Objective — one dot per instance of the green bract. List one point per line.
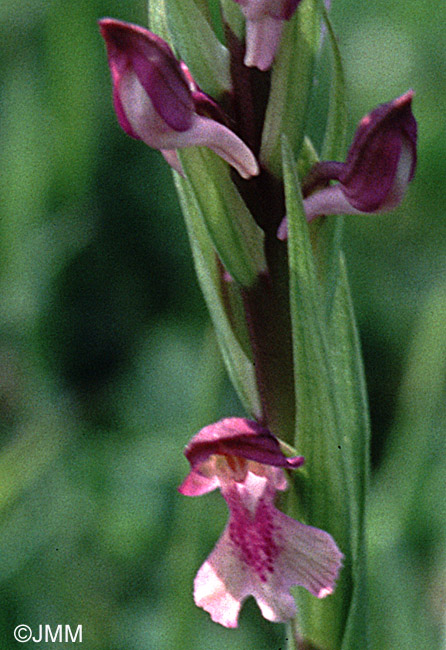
(236, 237)
(332, 429)
(197, 45)
(291, 84)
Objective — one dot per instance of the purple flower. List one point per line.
(262, 551)
(157, 101)
(264, 23)
(379, 166)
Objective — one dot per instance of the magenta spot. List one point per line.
(252, 536)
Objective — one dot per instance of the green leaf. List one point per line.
(291, 84)
(233, 17)
(238, 364)
(157, 10)
(198, 47)
(330, 407)
(351, 397)
(335, 130)
(327, 232)
(307, 157)
(235, 235)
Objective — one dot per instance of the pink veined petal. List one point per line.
(241, 438)
(262, 40)
(222, 583)
(263, 552)
(195, 484)
(309, 558)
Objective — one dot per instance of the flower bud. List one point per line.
(264, 23)
(155, 101)
(380, 164)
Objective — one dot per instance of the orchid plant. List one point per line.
(224, 96)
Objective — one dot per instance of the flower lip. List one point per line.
(242, 438)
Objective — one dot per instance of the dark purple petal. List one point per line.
(238, 437)
(289, 8)
(134, 48)
(372, 161)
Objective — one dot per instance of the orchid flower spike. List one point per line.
(264, 24)
(262, 551)
(157, 102)
(379, 166)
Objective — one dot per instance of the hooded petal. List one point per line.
(238, 437)
(385, 140)
(134, 50)
(379, 166)
(157, 101)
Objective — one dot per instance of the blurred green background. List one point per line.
(108, 364)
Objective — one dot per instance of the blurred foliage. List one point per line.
(108, 365)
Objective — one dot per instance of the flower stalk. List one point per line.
(262, 216)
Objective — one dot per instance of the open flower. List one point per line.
(262, 551)
(379, 166)
(157, 102)
(264, 24)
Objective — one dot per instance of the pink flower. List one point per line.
(157, 101)
(379, 166)
(264, 23)
(262, 551)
